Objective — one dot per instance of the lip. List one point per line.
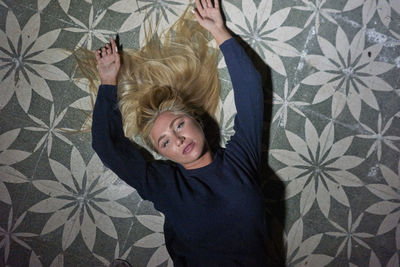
(188, 148)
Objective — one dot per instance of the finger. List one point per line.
(199, 6)
(97, 53)
(113, 45)
(108, 49)
(216, 3)
(199, 18)
(114, 48)
(208, 3)
(103, 52)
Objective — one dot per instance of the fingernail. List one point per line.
(116, 49)
(192, 10)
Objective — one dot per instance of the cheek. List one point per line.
(163, 154)
(168, 153)
(199, 133)
(195, 131)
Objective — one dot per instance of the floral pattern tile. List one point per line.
(332, 124)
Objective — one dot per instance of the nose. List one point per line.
(180, 140)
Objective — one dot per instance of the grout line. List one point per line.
(354, 127)
(311, 34)
(300, 66)
(372, 35)
(131, 227)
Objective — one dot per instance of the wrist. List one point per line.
(109, 82)
(221, 34)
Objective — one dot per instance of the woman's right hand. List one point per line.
(209, 16)
(108, 63)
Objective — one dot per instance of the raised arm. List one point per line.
(108, 139)
(249, 101)
(246, 82)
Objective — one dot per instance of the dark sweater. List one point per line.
(214, 215)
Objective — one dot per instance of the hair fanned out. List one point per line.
(178, 68)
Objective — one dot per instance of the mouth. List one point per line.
(188, 148)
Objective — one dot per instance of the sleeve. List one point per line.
(114, 149)
(249, 101)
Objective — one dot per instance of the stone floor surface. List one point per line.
(332, 132)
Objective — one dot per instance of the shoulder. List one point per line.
(162, 169)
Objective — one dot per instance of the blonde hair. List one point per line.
(174, 72)
(158, 100)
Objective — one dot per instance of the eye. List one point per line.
(180, 125)
(165, 143)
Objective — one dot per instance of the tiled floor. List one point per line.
(332, 123)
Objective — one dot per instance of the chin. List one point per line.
(193, 156)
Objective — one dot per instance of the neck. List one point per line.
(203, 161)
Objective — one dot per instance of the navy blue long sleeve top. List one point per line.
(214, 215)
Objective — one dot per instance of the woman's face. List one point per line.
(180, 138)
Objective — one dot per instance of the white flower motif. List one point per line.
(350, 234)
(317, 168)
(154, 240)
(86, 102)
(81, 202)
(263, 31)
(379, 137)
(130, 7)
(369, 7)
(25, 61)
(64, 4)
(8, 157)
(397, 35)
(390, 204)
(226, 118)
(50, 130)
(90, 31)
(348, 73)
(160, 8)
(304, 249)
(117, 255)
(156, 12)
(317, 10)
(42, 4)
(286, 104)
(9, 234)
(394, 261)
(34, 260)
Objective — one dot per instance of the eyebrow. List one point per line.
(170, 126)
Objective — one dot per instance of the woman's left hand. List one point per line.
(108, 63)
(209, 16)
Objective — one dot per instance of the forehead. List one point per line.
(162, 123)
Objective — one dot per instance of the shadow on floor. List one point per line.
(273, 188)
